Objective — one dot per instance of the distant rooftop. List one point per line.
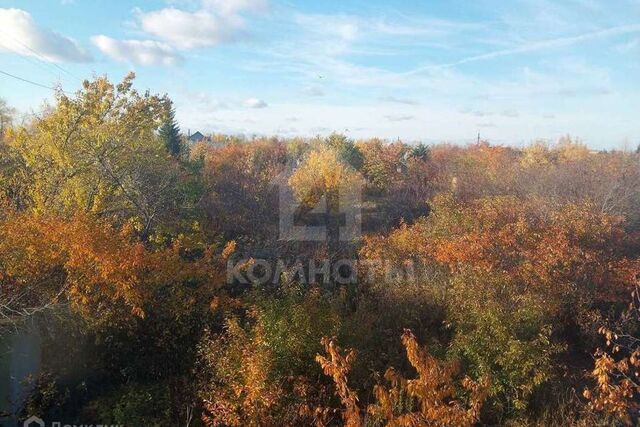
(196, 137)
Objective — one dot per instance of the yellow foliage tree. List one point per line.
(98, 152)
(322, 174)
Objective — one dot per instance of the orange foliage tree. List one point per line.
(88, 263)
(535, 242)
(433, 398)
(239, 195)
(522, 271)
(259, 369)
(617, 368)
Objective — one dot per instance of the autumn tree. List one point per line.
(322, 174)
(382, 163)
(474, 171)
(15, 180)
(569, 172)
(85, 262)
(259, 370)
(239, 193)
(327, 185)
(432, 398)
(97, 289)
(616, 368)
(522, 272)
(7, 115)
(98, 152)
(345, 149)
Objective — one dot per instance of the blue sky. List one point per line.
(417, 70)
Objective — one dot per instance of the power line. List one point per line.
(34, 83)
(39, 56)
(30, 60)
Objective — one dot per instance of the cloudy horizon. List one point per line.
(419, 71)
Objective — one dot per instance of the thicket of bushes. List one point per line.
(512, 296)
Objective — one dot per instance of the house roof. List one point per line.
(196, 137)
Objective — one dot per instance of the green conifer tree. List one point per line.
(170, 134)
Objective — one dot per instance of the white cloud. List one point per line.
(143, 52)
(231, 7)
(326, 45)
(351, 28)
(215, 22)
(345, 27)
(255, 103)
(202, 99)
(530, 47)
(188, 30)
(22, 35)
